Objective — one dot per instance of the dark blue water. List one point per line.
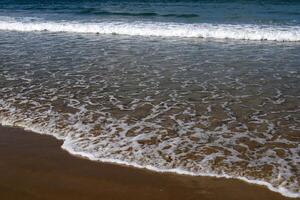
(232, 12)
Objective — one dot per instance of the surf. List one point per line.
(160, 29)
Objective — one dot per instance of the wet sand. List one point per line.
(33, 166)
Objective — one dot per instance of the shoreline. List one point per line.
(65, 146)
(36, 166)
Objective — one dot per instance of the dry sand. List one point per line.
(33, 166)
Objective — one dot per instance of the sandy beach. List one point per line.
(34, 166)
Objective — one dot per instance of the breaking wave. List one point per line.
(161, 29)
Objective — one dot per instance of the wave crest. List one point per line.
(159, 29)
(143, 14)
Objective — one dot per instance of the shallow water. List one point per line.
(194, 87)
(195, 106)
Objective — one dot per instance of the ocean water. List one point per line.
(203, 88)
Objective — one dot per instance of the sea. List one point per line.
(195, 87)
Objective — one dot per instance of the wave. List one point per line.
(160, 29)
(69, 147)
(143, 14)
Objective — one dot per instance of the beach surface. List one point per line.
(34, 166)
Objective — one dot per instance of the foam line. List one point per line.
(159, 29)
(67, 145)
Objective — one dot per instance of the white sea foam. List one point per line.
(159, 29)
(139, 115)
(280, 189)
(67, 145)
